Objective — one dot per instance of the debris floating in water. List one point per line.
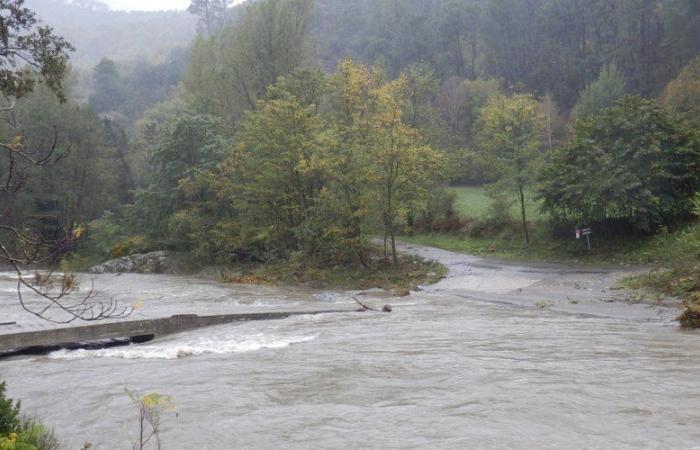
(386, 308)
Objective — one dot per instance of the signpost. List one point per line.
(585, 232)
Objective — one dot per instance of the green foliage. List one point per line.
(26, 42)
(682, 95)
(83, 174)
(9, 413)
(601, 93)
(270, 39)
(18, 433)
(511, 129)
(109, 87)
(378, 272)
(634, 162)
(184, 147)
(318, 164)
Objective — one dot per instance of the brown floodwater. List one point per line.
(454, 366)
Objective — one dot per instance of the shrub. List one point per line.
(497, 217)
(9, 413)
(18, 433)
(130, 246)
(438, 215)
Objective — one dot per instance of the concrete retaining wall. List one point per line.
(130, 329)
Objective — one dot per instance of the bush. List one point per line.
(497, 217)
(438, 215)
(9, 413)
(17, 433)
(131, 246)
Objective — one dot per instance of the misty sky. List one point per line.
(147, 5)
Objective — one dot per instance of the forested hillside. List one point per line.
(555, 46)
(97, 32)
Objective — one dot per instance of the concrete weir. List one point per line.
(129, 330)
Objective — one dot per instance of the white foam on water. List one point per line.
(178, 349)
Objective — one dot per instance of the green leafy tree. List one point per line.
(682, 95)
(276, 175)
(29, 52)
(633, 161)
(185, 146)
(108, 92)
(231, 71)
(510, 144)
(351, 119)
(404, 168)
(458, 106)
(601, 93)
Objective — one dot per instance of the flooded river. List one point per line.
(495, 356)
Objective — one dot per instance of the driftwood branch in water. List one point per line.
(386, 308)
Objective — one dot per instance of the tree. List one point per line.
(600, 94)
(351, 116)
(404, 168)
(109, 87)
(232, 70)
(633, 162)
(184, 146)
(212, 14)
(275, 178)
(509, 142)
(30, 53)
(682, 95)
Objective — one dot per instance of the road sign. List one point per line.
(587, 232)
(584, 232)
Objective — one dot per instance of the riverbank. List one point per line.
(377, 272)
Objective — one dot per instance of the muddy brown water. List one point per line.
(495, 356)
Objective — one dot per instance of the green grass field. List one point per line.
(509, 244)
(473, 201)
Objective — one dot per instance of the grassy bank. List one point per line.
(411, 272)
(507, 242)
(379, 273)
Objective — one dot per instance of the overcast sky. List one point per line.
(147, 5)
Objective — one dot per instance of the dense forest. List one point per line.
(298, 130)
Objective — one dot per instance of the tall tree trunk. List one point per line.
(522, 210)
(393, 246)
(386, 248)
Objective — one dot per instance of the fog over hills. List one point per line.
(97, 32)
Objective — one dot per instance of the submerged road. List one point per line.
(494, 356)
